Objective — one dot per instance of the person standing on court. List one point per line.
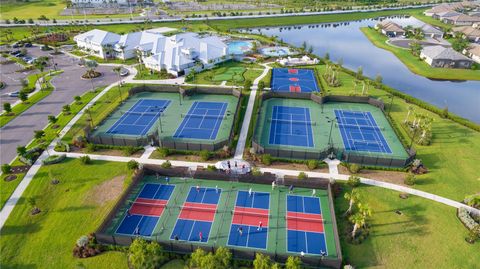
(260, 224)
(198, 188)
(250, 192)
(200, 235)
(167, 179)
(240, 230)
(273, 185)
(290, 189)
(313, 192)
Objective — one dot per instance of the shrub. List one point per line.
(410, 179)
(467, 219)
(353, 181)
(354, 168)
(211, 168)
(82, 241)
(266, 159)
(90, 147)
(132, 165)
(6, 168)
(53, 159)
(166, 164)
(85, 159)
(143, 254)
(204, 155)
(302, 175)
(7, 107)
(312, 164)
(256, 171)
(163, 152)
(129, 150)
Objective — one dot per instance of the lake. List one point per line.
(345, 41)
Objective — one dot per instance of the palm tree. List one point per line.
(91, 65)
(410, 110)
(352, 198)
(358, 220)
(426, 127)
(365, 210)
(117, 70)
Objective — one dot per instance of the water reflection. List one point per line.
(345, 41)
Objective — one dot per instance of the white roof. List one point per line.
(99, 37)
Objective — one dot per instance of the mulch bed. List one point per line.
(20, 169)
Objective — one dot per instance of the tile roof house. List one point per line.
(469, 32)
(473, 51)
(438, 56)
(177, 54)
(461, 19)
(431, 31)
(390, 29)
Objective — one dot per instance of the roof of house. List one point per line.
(99, 37)
(439, 52)
(463, 17)
(469, 31)
(391, 26)
(474, 49)
(428, 29)
(448, 14)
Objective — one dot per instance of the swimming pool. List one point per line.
(277, 51)
(239, 47)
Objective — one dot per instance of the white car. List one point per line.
(124, 72)
(14, 94)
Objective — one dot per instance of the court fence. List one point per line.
(179, 247)
(154, 138)
(340, 153)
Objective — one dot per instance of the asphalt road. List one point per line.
(19, 131)
(12, 78)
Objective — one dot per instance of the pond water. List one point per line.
(345, 41)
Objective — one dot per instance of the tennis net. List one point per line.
(364, 127)
(196, 208)
(293, 122)
(302, 219)
(146, 113)
(200, 116)
(247, 213)
(149, 205)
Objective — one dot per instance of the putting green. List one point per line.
(231, 74)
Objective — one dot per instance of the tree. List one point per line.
(132, 165)
(32, 202)
(261, 86)
(40, 63)
(142, 254)
(38, 134)
(365, 210)
(358, 220)
(247, 85)
(77, 99)
(66, 109)
(353, 181)
(293, 263)
(21, 150)
(118, 69)
(378, 80)
(223, 258)
(352, 198)
(359, 72)
(52, 119)
(23, 96)
(6, 168)
(7, 107)
(262, 261)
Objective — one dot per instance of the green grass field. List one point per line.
(415, 64)
(426, 235)
(452, 156)
(219, 233)
(233, 72)
(74, 207)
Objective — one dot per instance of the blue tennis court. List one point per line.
(202, 121)
(140, 118)
(291, 126)
(143, 214)
(360, 132)
(294, 80)
(250, 220)
(305, 230)
(197, 215)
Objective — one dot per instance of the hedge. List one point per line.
(54, 159)
(466, 219)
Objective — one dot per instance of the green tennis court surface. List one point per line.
(171, 122)
(219, 213)
(268, 128)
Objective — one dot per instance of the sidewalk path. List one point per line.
(248, 115)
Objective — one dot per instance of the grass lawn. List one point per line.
(144, 73)
(426, 235)
(416, 65)
(74, 207)
(235, 73)
(21, 107)
(453, 155)
(7, 188)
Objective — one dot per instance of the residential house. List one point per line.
(438, 56)
(97, 42)
(461, 19)
(473, 51)
(177, 54)
(469, 32)
(390, 29)
(430, 31)
(437, 9)
(446, 14)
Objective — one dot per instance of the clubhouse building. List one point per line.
(178, 54)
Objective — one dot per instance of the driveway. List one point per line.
(67, 85)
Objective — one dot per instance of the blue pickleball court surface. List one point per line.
(308, 242)
(204, 195)
(145, 224)
(251, 237)
(291, 126)
(156, 191)
(303, 204)
(294, 80)
(140, 118)
(202, 121)
(360, 132)
(189, 230)
(259, 200)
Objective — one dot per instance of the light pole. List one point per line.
(413, 139)
(331, 121)
(391, 103)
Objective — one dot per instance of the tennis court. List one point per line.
(305, 231)
(197, 215)
(360, 132)
(140, 118)
(291, 126)
(249, 227)
(143, 214)
(202, 121)
(294, 80)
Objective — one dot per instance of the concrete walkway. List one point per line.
(248, 115)
(332, 165)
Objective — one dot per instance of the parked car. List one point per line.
(19, 55)
(14, 52)
(124, 72)
(28, 45)
(31, 61)
(17, 45)
(26, 58)
(14, 94)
